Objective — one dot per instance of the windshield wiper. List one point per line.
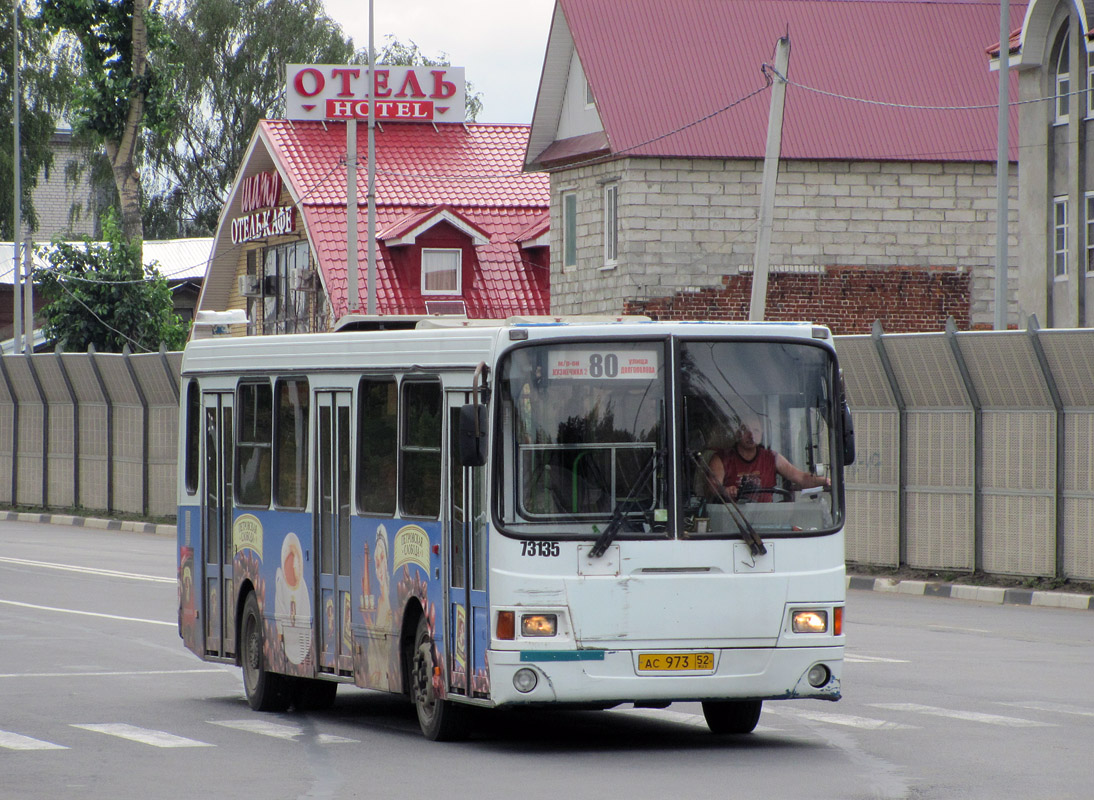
(600, 546)
(755, 543)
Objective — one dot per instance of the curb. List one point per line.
(128, 526)
(981, 594)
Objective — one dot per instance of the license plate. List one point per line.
(675, 662)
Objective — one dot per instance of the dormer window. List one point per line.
(441, 270)
(1063, 78)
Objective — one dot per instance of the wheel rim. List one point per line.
(424, 699)
(252, 654)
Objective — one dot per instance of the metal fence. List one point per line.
(974, 451)
(974, 448)
(93, 431)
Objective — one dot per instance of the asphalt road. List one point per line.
(98, 699)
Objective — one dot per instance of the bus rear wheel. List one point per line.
(440, 720)
(266, 691)
(732, 716)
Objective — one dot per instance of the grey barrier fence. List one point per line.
(974, 448)
(93, 431)
(974, 451)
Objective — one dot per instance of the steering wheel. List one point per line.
(745, 493)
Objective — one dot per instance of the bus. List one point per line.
(515, 513)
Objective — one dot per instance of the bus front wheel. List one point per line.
(732, 716)
(266, 691)
(440, 719)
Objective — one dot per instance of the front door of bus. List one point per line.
(217, 588)
(468, 624)
(332, 520)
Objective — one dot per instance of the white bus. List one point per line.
(517, 513)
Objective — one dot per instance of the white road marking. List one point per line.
(1054, 708)
(844, 720)
(13, 741)
(87, 613)
(278, 730)
(873, 659)
(118, 674)
(143, 735)
(967, 716)
(108, 573)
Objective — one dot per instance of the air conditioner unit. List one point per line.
(249, 286)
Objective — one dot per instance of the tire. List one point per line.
(312, 694)
(440, 720)
(732, 716)
(266, 691)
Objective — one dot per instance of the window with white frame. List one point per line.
(1059, 239)
(611, 224)
(1090, 231)
(1090, 84)
(569, 229)
(441, 271)
(1063, 77)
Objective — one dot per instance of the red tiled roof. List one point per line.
(657, 65)
(407, 224)
(474, 170)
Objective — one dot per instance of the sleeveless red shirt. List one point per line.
(755, 474)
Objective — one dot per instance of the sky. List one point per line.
(500, 43)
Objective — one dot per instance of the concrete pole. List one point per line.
(17, 204)
(1002, 171)
(28, 298)
(353, 282)
(371, 306)
(771, 173)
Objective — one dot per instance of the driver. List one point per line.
(747, 466)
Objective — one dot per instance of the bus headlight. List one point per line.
(810, 621)
(525, 680)
(818, 675)
(538, 624)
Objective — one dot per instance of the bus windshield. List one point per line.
(590, 438)
(584, 431)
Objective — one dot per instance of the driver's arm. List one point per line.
(717, 478)
(798, 476)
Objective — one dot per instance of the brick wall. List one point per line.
(685, 223)
(846, 299)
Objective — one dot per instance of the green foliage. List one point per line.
(104, 31)
(99, 294)
(45, 80)
(410, 54)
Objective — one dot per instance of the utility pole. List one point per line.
(771, 173)
(371, 303)
(1002, 171)
(17, 205)
(352, 279)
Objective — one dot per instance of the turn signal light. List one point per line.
(837, 621)
(506, 625)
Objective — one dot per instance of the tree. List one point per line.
(99, 294)
(45, 80)
(125, 86)
(232, 56)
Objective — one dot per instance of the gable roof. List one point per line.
(468, 175)
(677, 77)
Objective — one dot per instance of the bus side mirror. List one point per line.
(848, 437)
(472, 435)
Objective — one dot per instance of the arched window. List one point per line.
(1062, 74)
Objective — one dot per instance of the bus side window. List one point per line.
(420, 481)
(378, 445)
(254, 437)
(291, 453)
(193, 435)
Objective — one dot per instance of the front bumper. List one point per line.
(612, 676)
